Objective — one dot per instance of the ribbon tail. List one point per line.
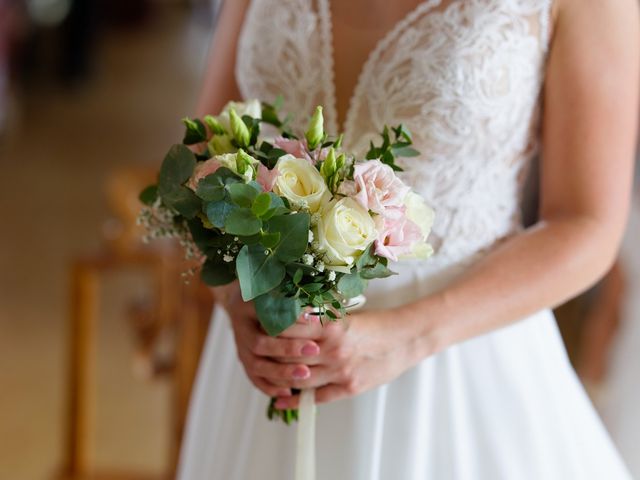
(306, 441)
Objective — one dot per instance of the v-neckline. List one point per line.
(343, 125)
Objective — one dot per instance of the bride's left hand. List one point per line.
(357, 353)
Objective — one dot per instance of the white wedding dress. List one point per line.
(465, 76)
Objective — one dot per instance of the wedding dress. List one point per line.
(465, 76)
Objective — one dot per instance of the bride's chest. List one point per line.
(473, 52)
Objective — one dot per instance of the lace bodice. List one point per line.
(465, 77)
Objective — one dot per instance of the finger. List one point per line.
(308, 326)
(274, 371)
(266, 346)
(269, 388)
(319, 377)
(326, 394)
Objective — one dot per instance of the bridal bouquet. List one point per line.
(297, 220)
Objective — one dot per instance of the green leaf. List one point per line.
(217, 273)
(184, 201)
(149, 195)
(251, 239)
(367, 259)
(351, 285)
(405, 152)
(257, 271)
(176, 169)
(294, 235)
(195, 131)
(212, 187)
(261, 204)
(377, 271)
(242, 221)
(276, 312)
(298, 276)
(270, 240)
(217, 212)
(242, 194)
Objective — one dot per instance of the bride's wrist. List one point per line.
(425, 328)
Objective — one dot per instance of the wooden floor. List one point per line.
(52, 170)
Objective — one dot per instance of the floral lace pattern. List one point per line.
(464, 75)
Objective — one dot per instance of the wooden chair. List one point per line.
(180, 310)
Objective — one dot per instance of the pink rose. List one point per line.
(397, 237)
(266, 178)
(202, 170)
(378, 188)
(297, 148)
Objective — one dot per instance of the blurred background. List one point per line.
(99, 335)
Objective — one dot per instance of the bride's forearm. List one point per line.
(540, 268)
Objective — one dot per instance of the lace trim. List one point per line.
(545, 24)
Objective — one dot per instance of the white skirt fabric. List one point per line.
(506, 405)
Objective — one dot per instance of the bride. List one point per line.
(456, 370)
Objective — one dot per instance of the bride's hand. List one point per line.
(358, 353)
(260, 353)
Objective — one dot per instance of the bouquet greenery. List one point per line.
(299, 221)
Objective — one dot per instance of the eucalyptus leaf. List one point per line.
(276, 313)
(176, 169)
(351, 285)
(257, 271)
(242, 194)
(217, 273)
(242, 221)
(149, 195)
(217, 212)
(270, 240)
(184, 201)
(294, 235)
(261, 204)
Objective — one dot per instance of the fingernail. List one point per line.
(301, 373)
(310, 350)
(281, 403)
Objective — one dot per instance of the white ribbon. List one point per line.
(306, 441)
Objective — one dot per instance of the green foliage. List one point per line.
(212, 187)
(242, 221)
(276, 312)
(176, 169)
(217, 212)
(258, 271)
(261, 204)
(149, 195)
(215, 272)
(351, 285)
(242, 194)
(294, 235)
(390, 149)
(239, 129)
(195, 131)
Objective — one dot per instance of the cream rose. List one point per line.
(345, 230)
(417, 210)
(301, 183)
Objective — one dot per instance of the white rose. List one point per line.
(253, 108)
(229, 160)
(345, 231)
(422, 215)
(419, 212)
(301, 183)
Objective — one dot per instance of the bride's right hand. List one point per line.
(258, 352)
